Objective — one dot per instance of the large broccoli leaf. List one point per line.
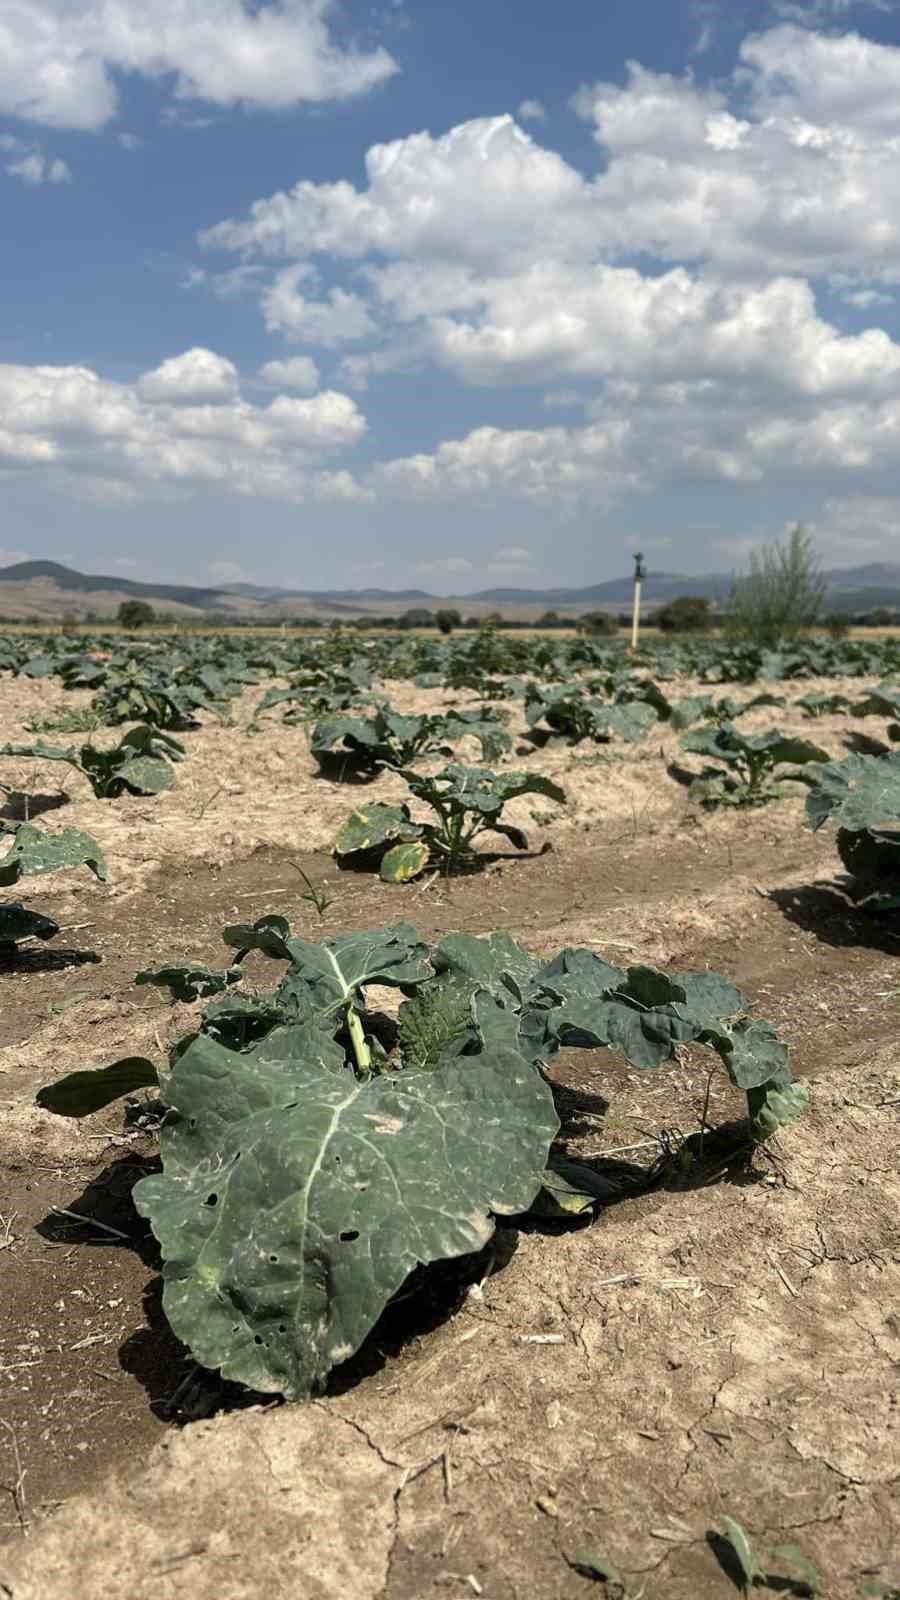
(35, 851)
(859, 792)
(293, 1202)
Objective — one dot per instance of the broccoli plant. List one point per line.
(351, 746)
(862, 795)
(749, 761)
(33, 851)
(140, 762)
(135, 695)
(573, 715)
(704, 708)
(467, 802)
(825, 705)
(318, 694)
(310, 1162)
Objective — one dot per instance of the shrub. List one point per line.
(135, 614)
(601, 624)
(688, 614)
(782, 594)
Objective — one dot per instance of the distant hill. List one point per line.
(47, 590)
(259, 591)
(67, 578)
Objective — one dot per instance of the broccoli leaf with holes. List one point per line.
(293, 1203)
(35, 851)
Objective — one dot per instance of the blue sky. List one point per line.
(447, 296)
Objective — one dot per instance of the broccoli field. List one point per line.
(449, 1102)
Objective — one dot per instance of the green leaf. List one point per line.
(495, 963)
(787, 747)
(403, 862)
(145, 774)
(743, 1549)
(293, 1202)
(437, 1022)
(41, 752)
(796, 1558)
(188, 982)
(34, 851)
(689, 710)
(269, 934)
(79, 1094)
(478, 789)
(646, 1014)
(872, 857)
(16, 924)
(773, 1106)
(457, 1010)
(631, 721)
(326, 734)
(727, 744)
(375, 825)
(570, 1189)
(594, 1563)
(328, 977)
(859, 792)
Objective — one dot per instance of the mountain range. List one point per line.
(47, 590)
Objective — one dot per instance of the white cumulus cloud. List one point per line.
(58, 58)
(181, 429)
(299, 374)
(195, 378)
(339, 318)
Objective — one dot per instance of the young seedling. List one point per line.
(317, 898)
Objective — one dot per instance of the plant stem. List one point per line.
(360, 1049)
(703, 1122)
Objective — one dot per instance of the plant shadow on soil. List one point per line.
(180, 1392)
(25, 963)
(366, 863)
(22, 807)
(823, 910)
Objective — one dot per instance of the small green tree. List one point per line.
(783, 592)
(601, 624)
(688, 614)
(135, 614)
(447, 619)
(838, 624)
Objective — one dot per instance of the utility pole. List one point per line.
(639, 575)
